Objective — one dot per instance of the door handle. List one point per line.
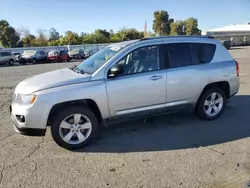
(155, 78)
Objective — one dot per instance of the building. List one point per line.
(237, 34)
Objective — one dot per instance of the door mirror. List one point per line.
(116, 70)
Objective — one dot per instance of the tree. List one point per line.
(177, 28)
(161, 23)
(71, 38)
(191, 26)
(42, 38)
(53, 34)
(8, 35)
(29, 40)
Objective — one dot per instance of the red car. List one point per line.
(58, 56)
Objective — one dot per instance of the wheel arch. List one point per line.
(224, 85)
(89, 103)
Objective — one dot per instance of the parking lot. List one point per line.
(167, 151)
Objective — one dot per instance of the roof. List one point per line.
(232, 28)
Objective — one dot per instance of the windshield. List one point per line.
(29, 52)
(94, 62)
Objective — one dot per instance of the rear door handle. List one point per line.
(155, 78)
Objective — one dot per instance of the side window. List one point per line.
(177, 55)
(42, 53)
(141, 60)
(201, 52)
(37, 53)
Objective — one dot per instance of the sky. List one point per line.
(88, 15)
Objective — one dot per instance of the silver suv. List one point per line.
(126, 80)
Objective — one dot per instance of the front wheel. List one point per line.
(34, 61)
(74, 127)
(211, 104)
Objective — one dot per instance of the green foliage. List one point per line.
(177, 28)
(8, 35)
(53, 34)
(161, 23)
(191, 25)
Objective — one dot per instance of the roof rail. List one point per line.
(178, 36)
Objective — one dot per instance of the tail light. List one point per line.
(237, 68)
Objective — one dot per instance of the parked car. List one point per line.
(227, 44)
(7, 58)
(76, 54)
(88, 53)
(32, 56)
(58, 56)
(16, 54)
(126, 80)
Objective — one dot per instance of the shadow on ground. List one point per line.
(176, 131)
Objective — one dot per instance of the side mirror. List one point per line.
(116, 70)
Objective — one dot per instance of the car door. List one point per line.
(141, 88)
(186, 75)
(42, 55)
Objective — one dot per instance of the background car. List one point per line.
(227, 44)
(32, 56)
(89, 53)
(76, 54)
(7, 58)
(58, 56)
(16, 54)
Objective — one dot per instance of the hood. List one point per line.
(73, 52)
(50, 80)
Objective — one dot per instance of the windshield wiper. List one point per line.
(76, 69)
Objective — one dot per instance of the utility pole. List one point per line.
(145, 30)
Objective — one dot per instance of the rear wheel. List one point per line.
(211, 104)
(11, 62)
(74, 127)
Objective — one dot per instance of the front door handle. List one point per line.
(155, 78)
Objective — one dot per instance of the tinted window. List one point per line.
(6, 53)
(201, 53)
(42, 53)
(177, 55)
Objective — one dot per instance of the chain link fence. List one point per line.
(50, 48)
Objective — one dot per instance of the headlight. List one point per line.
(25, 99)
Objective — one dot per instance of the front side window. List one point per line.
(94, 62)
(143, 59)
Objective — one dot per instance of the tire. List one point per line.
(58, 133)
(68, 59)
(203, 110)
(11, 62)
(34, 61)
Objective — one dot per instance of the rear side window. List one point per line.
(6, 53)
(177, 55)
(201, 53)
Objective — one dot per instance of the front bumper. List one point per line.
(35, 118)
(24, 60)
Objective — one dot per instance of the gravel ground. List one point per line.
(165, 151)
